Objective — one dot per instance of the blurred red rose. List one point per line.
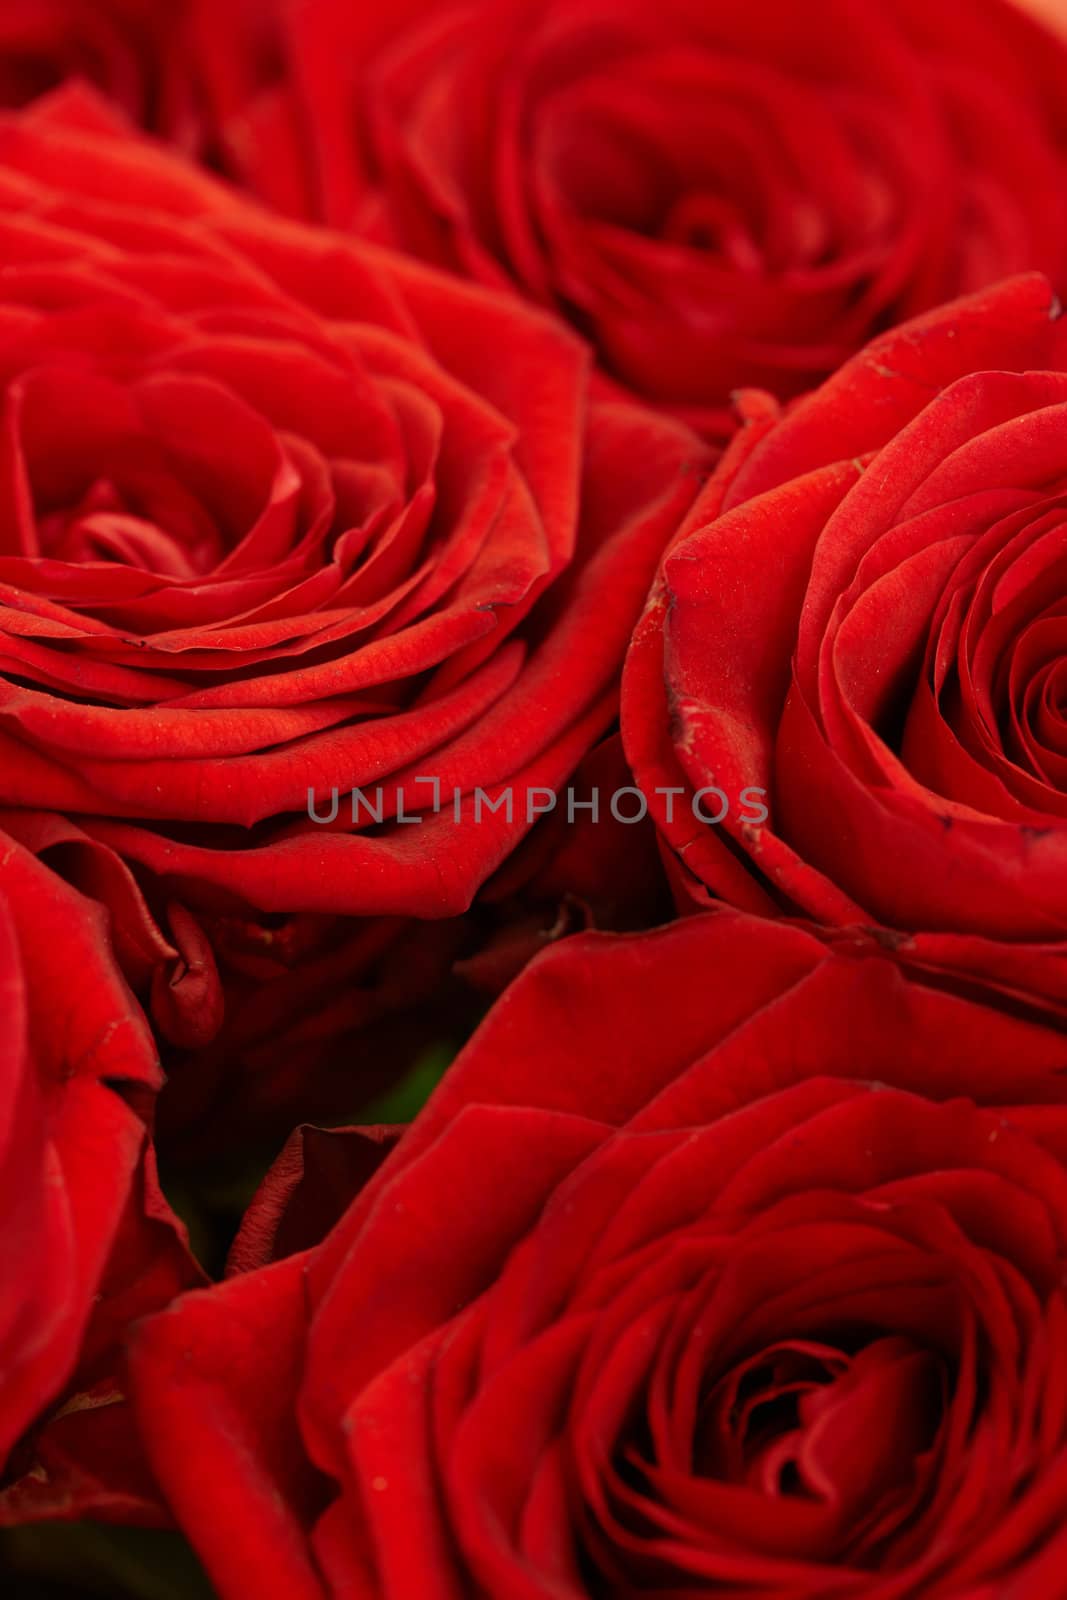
(720, 1261)
(117, 45)
(180, 69)
(865, 617)
(716, 194)
(286, 517)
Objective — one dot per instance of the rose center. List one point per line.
(713, 223)
(813, 1421)
(105, 524)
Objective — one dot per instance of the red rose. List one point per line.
(90, 1242)
(83, 1457)
(77, 1055)
(716, 194)
(865, 620)
(721, 1262)
(290, 518)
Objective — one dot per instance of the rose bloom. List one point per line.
(866, 617)
(715, 194)
(89, 1241)
(288, 516)
(720, 1263)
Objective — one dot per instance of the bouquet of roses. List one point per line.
(533, 800)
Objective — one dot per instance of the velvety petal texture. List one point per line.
(758, 1293)
(865, 618)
